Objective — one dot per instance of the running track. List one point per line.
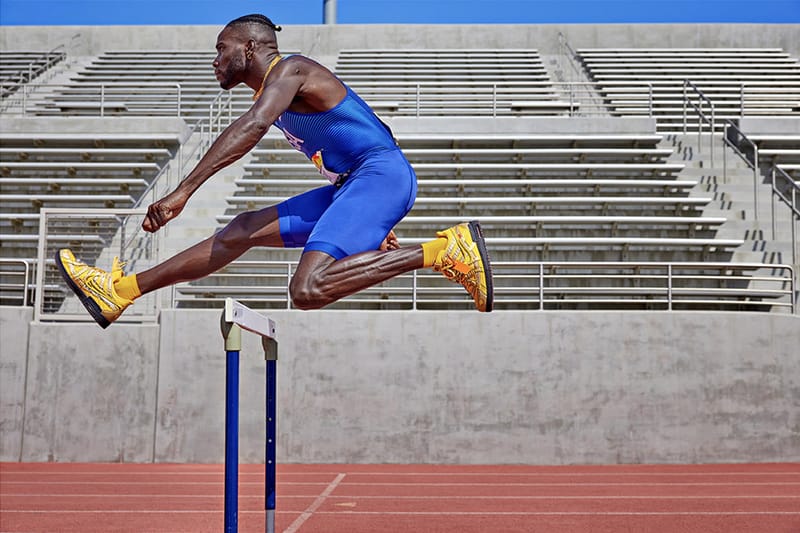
(167, 498)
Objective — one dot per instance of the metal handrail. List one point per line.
(26, 275)
(670, 276)
(792, 185)
(222, 102)
(734, 144)
(734, 141)
(120, 216)
(791, 201)
(577, 97)
(572, 56)
(21, 82)
(699, 109)
(104, 89)
(656, 283)
(47, 57)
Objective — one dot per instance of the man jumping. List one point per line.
(345, 228)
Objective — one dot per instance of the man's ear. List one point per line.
(249, 48)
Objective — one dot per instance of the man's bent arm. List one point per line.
(234, 142)
(242, 135)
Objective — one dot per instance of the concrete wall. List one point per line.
(412, 387)
(326, 40)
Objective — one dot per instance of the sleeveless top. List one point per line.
(337, 141)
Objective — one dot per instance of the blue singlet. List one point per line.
(376, 186)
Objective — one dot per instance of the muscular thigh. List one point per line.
(363, 211)
(298, 215)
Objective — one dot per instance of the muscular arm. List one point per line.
(235, 141)
(243, 133)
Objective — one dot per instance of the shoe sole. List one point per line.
(88, 303)
(477, 236)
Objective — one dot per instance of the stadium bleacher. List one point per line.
(561, 198)
(20, 67)
(142, 83)
(71, 171)
(494, 82)
(738, 81)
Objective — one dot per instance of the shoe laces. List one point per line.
(116, 269)
(82, 270)
(459, 272)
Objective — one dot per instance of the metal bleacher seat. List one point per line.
(739, 81)
(536, 195)
(76, 171)
(143, 82)
(492, 82)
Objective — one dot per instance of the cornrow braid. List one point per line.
(255, 18)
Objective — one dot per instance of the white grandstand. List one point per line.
(615, 167)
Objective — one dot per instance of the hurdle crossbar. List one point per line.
(235, 318)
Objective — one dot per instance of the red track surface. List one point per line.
(87, 498)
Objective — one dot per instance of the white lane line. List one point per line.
(609, 484)
(420, 484)
(406, 497)
(158, 482)
(426, 513)
(154, 472)
(300, 520)
(405, 474)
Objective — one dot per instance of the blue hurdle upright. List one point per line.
(235, 318)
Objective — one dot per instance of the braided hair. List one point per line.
(255, 19)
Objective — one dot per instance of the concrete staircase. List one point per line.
(748, 206)
(753, 214)
(564, 71)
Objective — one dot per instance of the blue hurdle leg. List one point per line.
(234, 318)
(232, 442)
(271, 394)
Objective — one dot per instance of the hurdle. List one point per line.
(235, 318)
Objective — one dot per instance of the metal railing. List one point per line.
(42, 63)
(221, 107)
(782, 185)
(573, 59)
(518, 285)
(95, 236)
(529, 285)
(733, 137)
(10, 288)
(786, 189)
(98, 100)
(486, 99)
(710, 120)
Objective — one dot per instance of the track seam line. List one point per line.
(300, 520)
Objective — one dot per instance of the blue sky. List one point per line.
(104, 12)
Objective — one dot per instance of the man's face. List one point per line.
(229, 65)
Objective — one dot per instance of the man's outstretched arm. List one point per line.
(235, 141)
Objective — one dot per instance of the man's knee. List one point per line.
(237, 232)
(305, 294)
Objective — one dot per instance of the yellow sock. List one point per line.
(431, 249)
(127, 287)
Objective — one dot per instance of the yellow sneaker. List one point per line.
(466, 261)
(94, 287)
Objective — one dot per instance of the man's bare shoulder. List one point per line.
(319, 89)
(304, 64)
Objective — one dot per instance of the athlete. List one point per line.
(345, 228)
